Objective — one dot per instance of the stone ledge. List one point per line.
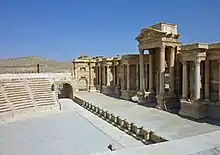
(214, 110)
(139, 133)
(196, 109)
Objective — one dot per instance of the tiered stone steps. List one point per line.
(4, 105)
(17, 94)
(23, 96)
(41, 91)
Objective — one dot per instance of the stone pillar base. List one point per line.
(127, 95)
(161, 102)
(194, 109)
(117, 92)
(147, 98)
(214, 110)
(141, 97)
(108, 90)
(92, 88)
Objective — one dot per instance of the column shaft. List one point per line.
(137, 77)
(141, 69)
(185, 81)
(100, 74)
(219, 80)
(113, 71)
(128, 77)
(207, 80)
(146, 76)
(171, 70)
(162, 70)
(151, 85)
(90, 74)
(197, 80)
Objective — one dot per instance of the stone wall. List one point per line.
(24, 95)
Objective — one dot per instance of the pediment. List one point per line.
(149, 33)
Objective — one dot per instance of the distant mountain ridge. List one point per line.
(48, 65)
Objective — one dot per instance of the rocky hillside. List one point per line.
(47, 65)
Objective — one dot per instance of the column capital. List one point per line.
(141, 51)
(197, 62)
(184, 62)
(163, 46)
(151, 51)
(206, 61)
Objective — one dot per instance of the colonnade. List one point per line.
(161, 70)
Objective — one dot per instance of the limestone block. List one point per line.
(214, 110)
(196, 109)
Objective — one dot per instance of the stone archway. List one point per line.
(83, 84)
(65, 90)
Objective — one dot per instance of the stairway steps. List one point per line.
(11, 95)
(24, 107)
(20, 99)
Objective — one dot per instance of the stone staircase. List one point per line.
(17, 94)
(26, 95)
(5, 106)
(41, 91)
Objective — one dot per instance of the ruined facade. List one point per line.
(172, 76)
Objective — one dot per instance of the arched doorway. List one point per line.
(83, 84)
(65, 91)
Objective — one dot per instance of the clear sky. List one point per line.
(65, 29)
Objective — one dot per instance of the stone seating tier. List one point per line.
(4, 105)
(42, 93)
(26, 93)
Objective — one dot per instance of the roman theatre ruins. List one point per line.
(163, 97)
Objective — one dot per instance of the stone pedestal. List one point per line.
(161, 101)
(117, 92)
(147, 98)
(127, 95)
(194, 109)
(108, 90)
(141, 97)
(214, 110)
(92, 88)
(150, 96)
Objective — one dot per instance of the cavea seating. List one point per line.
(41, 90)
(26, 95)
(17, 93)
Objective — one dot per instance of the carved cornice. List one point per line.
(149, 33)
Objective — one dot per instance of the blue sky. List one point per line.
(65, 29)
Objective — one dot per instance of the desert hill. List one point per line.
(47, 65)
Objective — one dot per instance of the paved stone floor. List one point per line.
(72, 131)
(205, 144)
(164, 124)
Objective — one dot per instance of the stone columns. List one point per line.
(146, 86)
(117, 78)
(100, 74)
(162, 70)
(185, 81)
(113, 71)
(141, 69)
(104, 80)
(151, 85)
(197, 80)
(219, 81)
(90, 74)
(207, 80)
(137, 77)
(96, 74)
(128, 77)
(109, 77)
(171, 70)
(123, 83)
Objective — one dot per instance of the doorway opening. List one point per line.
(65, 91)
